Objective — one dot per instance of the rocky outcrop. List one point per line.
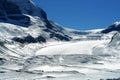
(24, 13)
(113, 27)
(115, 40)
(10, 12)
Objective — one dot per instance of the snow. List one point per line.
(59, 61)
(55, 59)
(50, 68)
(9, 30)
(117, 23)
(81, 47)
(89, 55)
(28, 5)
(95, 30)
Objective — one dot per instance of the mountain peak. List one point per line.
(28, 7)
(114, 27)
(24, 13)
(18, 12)
(117, 23)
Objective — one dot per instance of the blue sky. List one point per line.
(82, 14)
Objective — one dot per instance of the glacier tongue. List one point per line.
(23, 62)
(35, 48)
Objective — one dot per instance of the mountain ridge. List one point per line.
(114, 27)
(42, 49)
(23, 13)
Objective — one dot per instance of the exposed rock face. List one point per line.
(30, 39)
(28, 8)
(2, 10)
(115, 41)
(17, 10)
(113, 27)
(10, 11)
(25, 13)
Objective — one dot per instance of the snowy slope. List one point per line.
(35, 48)
(70, 48)
(29, 19)
(111, 49)
(58, 61)
(114, 27)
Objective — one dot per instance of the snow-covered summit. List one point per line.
(114, 27)
(29, 8)
(18, 10)
(24, 13)
(35, 48)
(117, 23)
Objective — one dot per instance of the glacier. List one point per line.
(35, 48)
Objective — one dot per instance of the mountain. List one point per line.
(31, 21)
(114, 27)
(20, 10)
(115, 40)
(35, 48)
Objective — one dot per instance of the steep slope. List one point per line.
(35, 48)
(114, 27)
(115, 40)
(31, 21)
(111, 50)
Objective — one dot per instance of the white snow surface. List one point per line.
(70, 48)
(117, 23)
(90, 55)
(59, 61)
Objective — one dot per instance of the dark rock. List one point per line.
(2, 61)
(60, 37)
(114, 79)
(2, 10)
(28, 39)
(48, 24)
(80, 33)
(113, 27)
(50, 77)
(2, 72)
(11, 8)
(14, 13)
(44, 15)
(40, 39)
